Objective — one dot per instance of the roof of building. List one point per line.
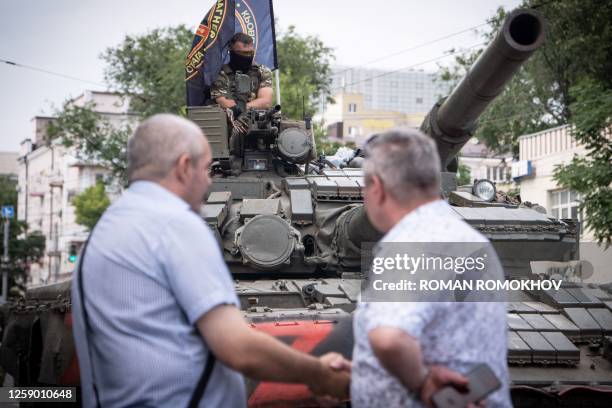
(545, 131)
(477, 148)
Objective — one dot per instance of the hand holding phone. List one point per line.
(481, 382)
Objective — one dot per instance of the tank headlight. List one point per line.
(484, 189)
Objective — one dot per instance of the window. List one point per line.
(352, 107)
(353, 131)
(419, 101)
(99, 178)
(564, 204)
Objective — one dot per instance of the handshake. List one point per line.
(333, 383)
(332, 386)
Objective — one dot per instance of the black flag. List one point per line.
(210, 44)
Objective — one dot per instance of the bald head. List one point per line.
(157, 144)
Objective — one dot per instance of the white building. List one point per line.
(487, 164)
(539, 153)
(406, 91)
(49, 176)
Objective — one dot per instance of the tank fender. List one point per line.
(57, 348)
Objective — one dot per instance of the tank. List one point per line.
(291, 227)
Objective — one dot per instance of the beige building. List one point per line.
(539, 153)
(49, 176)
(348, 119)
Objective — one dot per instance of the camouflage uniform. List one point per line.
(261, 77)
(224, 85)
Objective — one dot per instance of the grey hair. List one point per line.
(157, 144)
(406, 161)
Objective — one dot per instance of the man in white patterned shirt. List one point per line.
(405, 351)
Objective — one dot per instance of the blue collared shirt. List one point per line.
(151, 270)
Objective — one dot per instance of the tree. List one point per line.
(464, 175)
(591, 176)
(539, 97)
(567, 81)
(150, 69)
(90, 205)
(523, 107)
(305, 72)
(93, 137)
(24, 247)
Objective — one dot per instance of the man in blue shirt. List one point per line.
(152, 273)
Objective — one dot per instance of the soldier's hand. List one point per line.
(332, 384)
(236, 111)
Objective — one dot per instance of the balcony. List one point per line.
(56, 180)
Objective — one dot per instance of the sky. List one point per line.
(67, 37)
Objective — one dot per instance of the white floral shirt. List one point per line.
(456, 335)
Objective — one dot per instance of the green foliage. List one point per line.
(305, 72)
(567, 81)
(150, 70)
(464, 175)
(8, 190)
(538, 97)
(591, 176)
(325, 146)
(94, 137)
(90, 205)
(24, 247)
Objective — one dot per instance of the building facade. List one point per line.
(50, 175)
(484, 163)
(368, 101)
(406, 91)
(539, 153)
(349, 119)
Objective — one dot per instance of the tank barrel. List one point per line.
(452, 121)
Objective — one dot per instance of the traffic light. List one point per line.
(72, 253)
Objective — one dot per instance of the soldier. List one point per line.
(240, 86)
(241, 61)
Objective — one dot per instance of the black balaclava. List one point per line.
(239, 62)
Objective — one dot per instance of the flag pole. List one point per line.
(278, 94)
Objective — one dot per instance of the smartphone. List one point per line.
(482, 382)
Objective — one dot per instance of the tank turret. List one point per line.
(272, 185)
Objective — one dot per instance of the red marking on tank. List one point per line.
(306, 334)
(68, 320)
(72, 375)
